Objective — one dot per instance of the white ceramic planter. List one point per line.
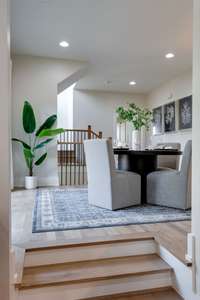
(143, 140)
(136, 139)
(30, 182)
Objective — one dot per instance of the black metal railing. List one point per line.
(71, 157)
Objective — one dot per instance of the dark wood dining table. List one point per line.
(142, 162)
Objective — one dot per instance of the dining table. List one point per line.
(142, 162)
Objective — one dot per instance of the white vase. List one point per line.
(30, 182)
(143, 140)
(136, 139)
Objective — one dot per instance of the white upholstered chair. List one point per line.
(108, 187)
(172, 188)
(169, 161)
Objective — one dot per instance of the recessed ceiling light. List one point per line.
(169, 55)
(64, 44)
(132, 82)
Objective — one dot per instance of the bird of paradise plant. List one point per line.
(37, 139)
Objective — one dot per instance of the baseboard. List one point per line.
(42, 181)
(48, 181)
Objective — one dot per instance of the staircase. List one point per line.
(115, 266)
(71, 156)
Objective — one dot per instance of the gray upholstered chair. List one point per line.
(172, 188)
(107, 187)
(169, 161)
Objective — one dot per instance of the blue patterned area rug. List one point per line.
(68, 208)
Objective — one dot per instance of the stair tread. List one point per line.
(168, 294)
(89, 241)
(93, 270)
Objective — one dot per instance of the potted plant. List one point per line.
(140, 118)
(37, 139)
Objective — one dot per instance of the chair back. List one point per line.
(186, 160)
(99, 161)
(169, 161)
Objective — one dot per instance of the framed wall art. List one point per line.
(185, 113)
(158, 120)
(170, 117)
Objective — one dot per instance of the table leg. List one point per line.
(143, 189)
(140, 164)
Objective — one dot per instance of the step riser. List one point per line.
(89, 290)
(85, 253)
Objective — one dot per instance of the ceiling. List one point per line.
(122, 40)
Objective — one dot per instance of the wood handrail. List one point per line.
(79, 130)
(89, 131)
(70, 143)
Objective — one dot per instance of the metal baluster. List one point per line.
(70, 178)
(62, 155)
(79, 155)
(67, 157)
(81, 170)
(59, 159)
(84, 138)
(73, 156)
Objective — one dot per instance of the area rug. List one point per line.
(68, 208)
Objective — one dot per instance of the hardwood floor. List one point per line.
(159, 295)
(172, 235)
(49, 258)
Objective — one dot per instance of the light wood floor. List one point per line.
(160, 295)
(172, 235)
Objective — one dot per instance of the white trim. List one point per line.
(182, 278)
(42, 181)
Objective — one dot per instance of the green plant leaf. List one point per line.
(41, 159)
(28, 157)
(23, 143)
(43, 144)
(27, 161)
(28, 117)
(47, 124)
(28, 153)
(50, 132)
(135, 115)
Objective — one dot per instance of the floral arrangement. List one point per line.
(135, 115)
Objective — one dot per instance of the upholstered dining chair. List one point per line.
(169, 161)
(108, 187)
(172, 188)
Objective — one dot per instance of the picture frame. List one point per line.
(185, 113)
(170, 117)
(158, 120)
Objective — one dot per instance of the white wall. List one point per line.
(36, 79)
(171, 91)
(4, 151)
(97, 109)
(65, 108)
(196, 139)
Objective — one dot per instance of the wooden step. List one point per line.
(88, 252)
(89, 290)
(160, 294)
(92, 271)
(87, 241)
(96, 289)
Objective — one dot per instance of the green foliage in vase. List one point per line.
(36, 139)
(138, 117)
